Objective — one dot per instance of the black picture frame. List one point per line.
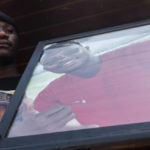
(114, 137)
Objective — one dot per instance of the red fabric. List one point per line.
(118, 94)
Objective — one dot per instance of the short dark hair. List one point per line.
(4, 17)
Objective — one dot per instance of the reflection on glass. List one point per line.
(91, 82)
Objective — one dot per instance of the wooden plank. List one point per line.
(86, 23)
(108, 5)
(70, 11)
(5, 1)
(17, 8)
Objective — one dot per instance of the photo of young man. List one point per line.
(93, 90)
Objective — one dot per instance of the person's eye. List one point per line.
(9, 31)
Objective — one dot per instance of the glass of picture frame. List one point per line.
(84, 91)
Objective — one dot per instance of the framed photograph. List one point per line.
(84, 91)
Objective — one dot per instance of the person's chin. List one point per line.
(4, 53)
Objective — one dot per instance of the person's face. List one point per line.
(65, 59)
(8, 40)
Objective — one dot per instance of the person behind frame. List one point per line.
(8, 50)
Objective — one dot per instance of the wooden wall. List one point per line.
(45, 19)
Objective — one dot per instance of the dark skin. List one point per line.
(8, 46)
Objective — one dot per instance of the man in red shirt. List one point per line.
(106, 90)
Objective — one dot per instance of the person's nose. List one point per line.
(3, 34)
